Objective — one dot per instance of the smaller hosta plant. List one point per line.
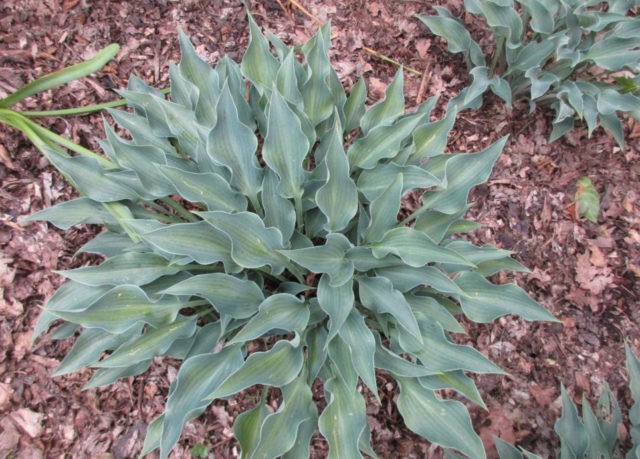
(596, 434)
(252, 232)
(580, 57)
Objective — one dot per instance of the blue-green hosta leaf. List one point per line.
(415, 248)
(611, 123)
(541, 81)
(445, 422)
(614, 52)
(108, 244)
(72, 296)
(382, 142)
(598, 446)
(258, 64)
(140, 130)
(233, 144)
(485, 301)
(609, 417)
(197, 377)
(373, 182)
(89, 178)
(337, 302)
(396, 365)
(318, 101)
(338, 197)
(284, 154)
(462, 172)
(508, 451)
(206, 187)
(203, 77)
(458, 37)
(252, 244)
(153, 342)
(574, 439)
(199, 241)
(436, 224)
(276, 367)
(106, 376)
(378, 295)
(541, 13)
(534, 54)
(230, 72)
(280, 312)
(487, 258)
(384, 211)
(611, 101)
(633, 367)
(315, 340)
(343, 420)
(357, 336)
(430, 139)
(287, 81)
(233, 297)
(354, 108)
(502, 17)
(279, 431)
(328, 258)
(389, 109)
(75, 212)
(456, 380)
(405, 278)
(279, 212)
(128, 268)
(246, 427)
(90, 346)
(122, 307)
(363, 259)
(439, 354)
(430, 308)
(183, 91)
(203, 341)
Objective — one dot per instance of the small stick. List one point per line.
(287, 12)
(305, 11)
(422, 90)
(375, 53)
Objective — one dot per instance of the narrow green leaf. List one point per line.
(415, 248)
(252, 244)
(405, 278)
(194, 69)
(354, 108)
(389, 109)
(258, 64)
(280, 312)
(276, 367)
(382, 142)
(384, 210)
(233, 144)
(106, 376)
(428, 307)
(279, 431)
(284, 154)
(199, 241)
(462, 172)
(198, 376)
(456, 380)
(318, 101)
(445, 422)
(337, 302)
(89, 347)
(123, 306)
(230, 296)
(128, 268)
(338, 197)
(587, 199)
(152, 343)
(77, 211)
(355, 333)
(485, 301)
(279, 212)
(378, 295)
(373, 182)
(246, 427)
(574, 439)
(343, 420)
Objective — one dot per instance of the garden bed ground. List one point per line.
(585, 273)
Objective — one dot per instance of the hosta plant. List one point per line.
(580, 57)
(596, 434)
(253, 232)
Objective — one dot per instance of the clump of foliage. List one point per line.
(596, 435)
(580, 57)
(252, 232)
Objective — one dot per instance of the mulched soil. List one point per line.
(585, 273)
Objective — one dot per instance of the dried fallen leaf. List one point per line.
(592, 278)
(5, 396)
(28, 421)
